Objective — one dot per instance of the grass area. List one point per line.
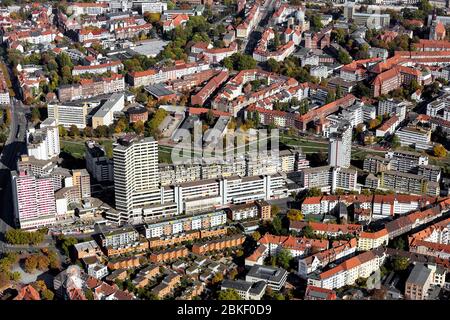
(74, 148)
(77, 148)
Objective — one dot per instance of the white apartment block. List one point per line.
(392, 107)
(413, 136)
(328, 179)
(136, 176)
(43, 143)
(346, 273)
(172, 226)
(151, 6)
(340, 145)
(353, 114)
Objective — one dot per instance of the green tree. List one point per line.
(343, 57)
(277, 225)
(274, 210)
(284, 258)
(256, 236)
(400, 263)
(74, 131)
(314, 192)
(294, 215)
(62, 131)
(35, 115)
(228, 294)
(31, 263)
(331, 96)
(395, 142)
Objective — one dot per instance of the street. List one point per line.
(14, 146)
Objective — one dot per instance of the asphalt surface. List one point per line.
(14, 147)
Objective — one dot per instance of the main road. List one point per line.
(14, 147)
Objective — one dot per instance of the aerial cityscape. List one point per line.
(225, 150)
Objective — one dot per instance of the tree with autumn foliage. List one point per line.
(439, 151)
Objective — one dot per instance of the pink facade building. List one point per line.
(34, 200)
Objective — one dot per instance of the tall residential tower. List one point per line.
(136, 175)
(340, 146)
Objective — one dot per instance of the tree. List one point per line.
(17, 236)
(35, 115)
(273, 65)
(47, 294)
(373, 123)
(439, 151)
(62, 131)
(87, 131)
(228, 294)
(218, 277)
(314, 192)
(139, 127)
(343, 57)
(66, 243)
(31, 263)
(400, 263)
(89, 294)
(42, 262)
(284, 258)
(74, 131)
(152, 17)
(274, 210)
(395, 142)
(238, 61)
(276, 40)
(256, 236)
(399, 244)
(294, 215)
(308, 232)
(331, 96)
(276, 225)
(232, 274)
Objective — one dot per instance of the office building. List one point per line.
(274, 277)
(417, 137)
(105, 114)
(246, 290)
(68, 114)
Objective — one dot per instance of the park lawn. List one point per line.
(75, 148)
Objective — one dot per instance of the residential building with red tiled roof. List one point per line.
(323, 111)
(372, 240)
(28, 292)
(346, 273)
(317, 293)
(321, 259)
(297, 246)
(200, 97)
(175, 21)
